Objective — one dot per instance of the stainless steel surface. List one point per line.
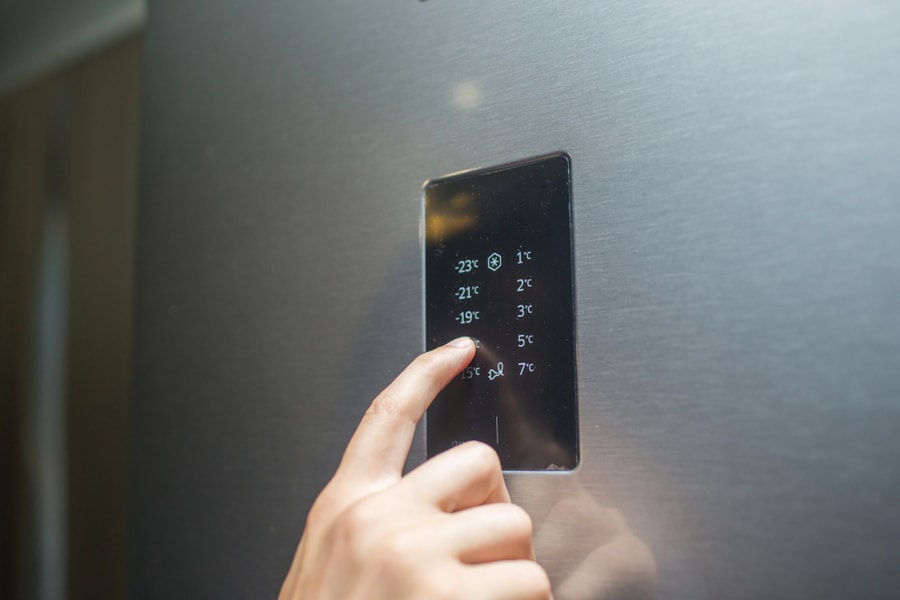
(38, 37)
(736, 184)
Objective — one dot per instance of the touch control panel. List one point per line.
(498, 268)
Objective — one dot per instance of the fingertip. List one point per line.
(462, 350)
(464, 347)
(464, 342)
(443, 363)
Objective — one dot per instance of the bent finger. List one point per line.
(488, 533)
(509, 580)
(461, 477)
(381, 443)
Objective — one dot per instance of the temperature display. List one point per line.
(498, 267)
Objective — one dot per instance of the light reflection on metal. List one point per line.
(43, 548)
(451, 219)
(587, 546)
(467, 95)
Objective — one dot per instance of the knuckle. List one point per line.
(519, 521)
(396, 551)
(539, 581)
(318, 511)
(482, 463)
(325, 509)
(440, 584)
(386, 404)
(398, 555)
(483, 457)
(357, 520)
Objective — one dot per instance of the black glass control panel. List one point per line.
(498, 268)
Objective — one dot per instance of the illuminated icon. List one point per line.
(470, 373)
(494, 261)
(468, 316)
(466, 265)
(495, 373)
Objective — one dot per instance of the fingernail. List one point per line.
(461, 342)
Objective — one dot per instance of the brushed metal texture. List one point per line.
(736, 214)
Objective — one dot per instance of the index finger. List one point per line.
(378, 449)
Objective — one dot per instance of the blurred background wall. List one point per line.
(69, 122)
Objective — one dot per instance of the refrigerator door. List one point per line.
(736, 209)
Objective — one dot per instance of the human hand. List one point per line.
(445, 530)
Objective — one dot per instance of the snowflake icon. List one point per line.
(494, 261)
